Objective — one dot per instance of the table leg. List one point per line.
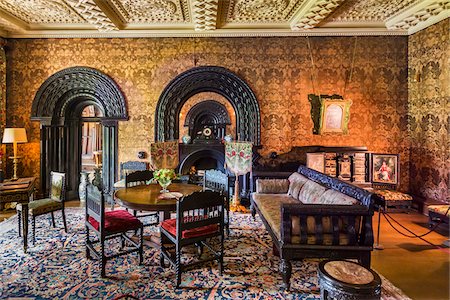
(25, 226)
(377, 245)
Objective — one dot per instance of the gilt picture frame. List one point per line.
(385, 168)
(334, 116)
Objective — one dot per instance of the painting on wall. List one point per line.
(335, 115)
(316, 161)
(385, 168)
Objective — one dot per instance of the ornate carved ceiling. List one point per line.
(140, 18)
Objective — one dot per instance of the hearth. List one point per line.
(202, 157)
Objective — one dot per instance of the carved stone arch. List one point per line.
(217, 110)
(208, 79)
(57, 105)
(61, 87)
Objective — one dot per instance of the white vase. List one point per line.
(83, 185)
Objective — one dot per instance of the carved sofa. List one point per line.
(311, 215)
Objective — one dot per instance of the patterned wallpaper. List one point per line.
(429, 111)
(2, 100)
(277, 69)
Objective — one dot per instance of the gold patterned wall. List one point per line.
(277, 69)
(429, 111)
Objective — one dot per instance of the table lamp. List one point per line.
(14, 136)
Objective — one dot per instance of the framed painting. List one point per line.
(316, 161)
(334, 116)
(385, 168)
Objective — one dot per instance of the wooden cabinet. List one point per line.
(348, 166)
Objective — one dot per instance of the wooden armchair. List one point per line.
(53, 203)
(220, 182)
(141, 178)
(199, 218)
(108, 225)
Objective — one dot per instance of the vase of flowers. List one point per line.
(164, 178)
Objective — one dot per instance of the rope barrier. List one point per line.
(387, 217)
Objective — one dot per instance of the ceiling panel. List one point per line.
(369, 10)
(227, 18)
(41, 11)
(153, 11)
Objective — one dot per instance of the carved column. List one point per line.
(109, 161)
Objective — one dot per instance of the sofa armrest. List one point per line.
(363, 236)
(272, 186)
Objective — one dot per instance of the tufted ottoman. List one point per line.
(341, 279)
(393, 201)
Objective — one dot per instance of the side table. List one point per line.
(20, 191)
(341, 279)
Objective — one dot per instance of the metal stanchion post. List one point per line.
(377, 245)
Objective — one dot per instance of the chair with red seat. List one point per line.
(108, 225)
(199, 217)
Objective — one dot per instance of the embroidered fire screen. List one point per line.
(164, 155)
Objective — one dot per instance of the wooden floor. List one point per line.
(419, 269)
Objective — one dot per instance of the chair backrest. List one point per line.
(131, 166)
(138, 178)
(217, 181)
(95, 204)
(57, 186)
(200, 209)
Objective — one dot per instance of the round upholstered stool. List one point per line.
(341, 279)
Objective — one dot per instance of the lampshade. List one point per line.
(14, 135)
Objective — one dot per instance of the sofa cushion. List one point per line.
(335, 197)
(296, 182)
(272, 186)
(270, 207)
(311, 192)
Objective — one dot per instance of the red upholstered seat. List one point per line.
(117, 221)
(171, 226)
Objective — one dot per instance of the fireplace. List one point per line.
(209, 119)
(201, 157)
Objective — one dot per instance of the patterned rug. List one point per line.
(56, 268)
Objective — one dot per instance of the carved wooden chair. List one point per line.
(220, 182)
(199, 217)
(54, 202)
(108, 225)
(140, 178)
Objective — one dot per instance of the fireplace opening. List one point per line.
(203, 159)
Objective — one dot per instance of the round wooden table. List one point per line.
(147, 197)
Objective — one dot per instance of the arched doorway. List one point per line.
(58, 105)
(208, 79)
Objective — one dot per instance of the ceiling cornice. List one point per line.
(420, 16)
(215, 33)
(312, 12)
